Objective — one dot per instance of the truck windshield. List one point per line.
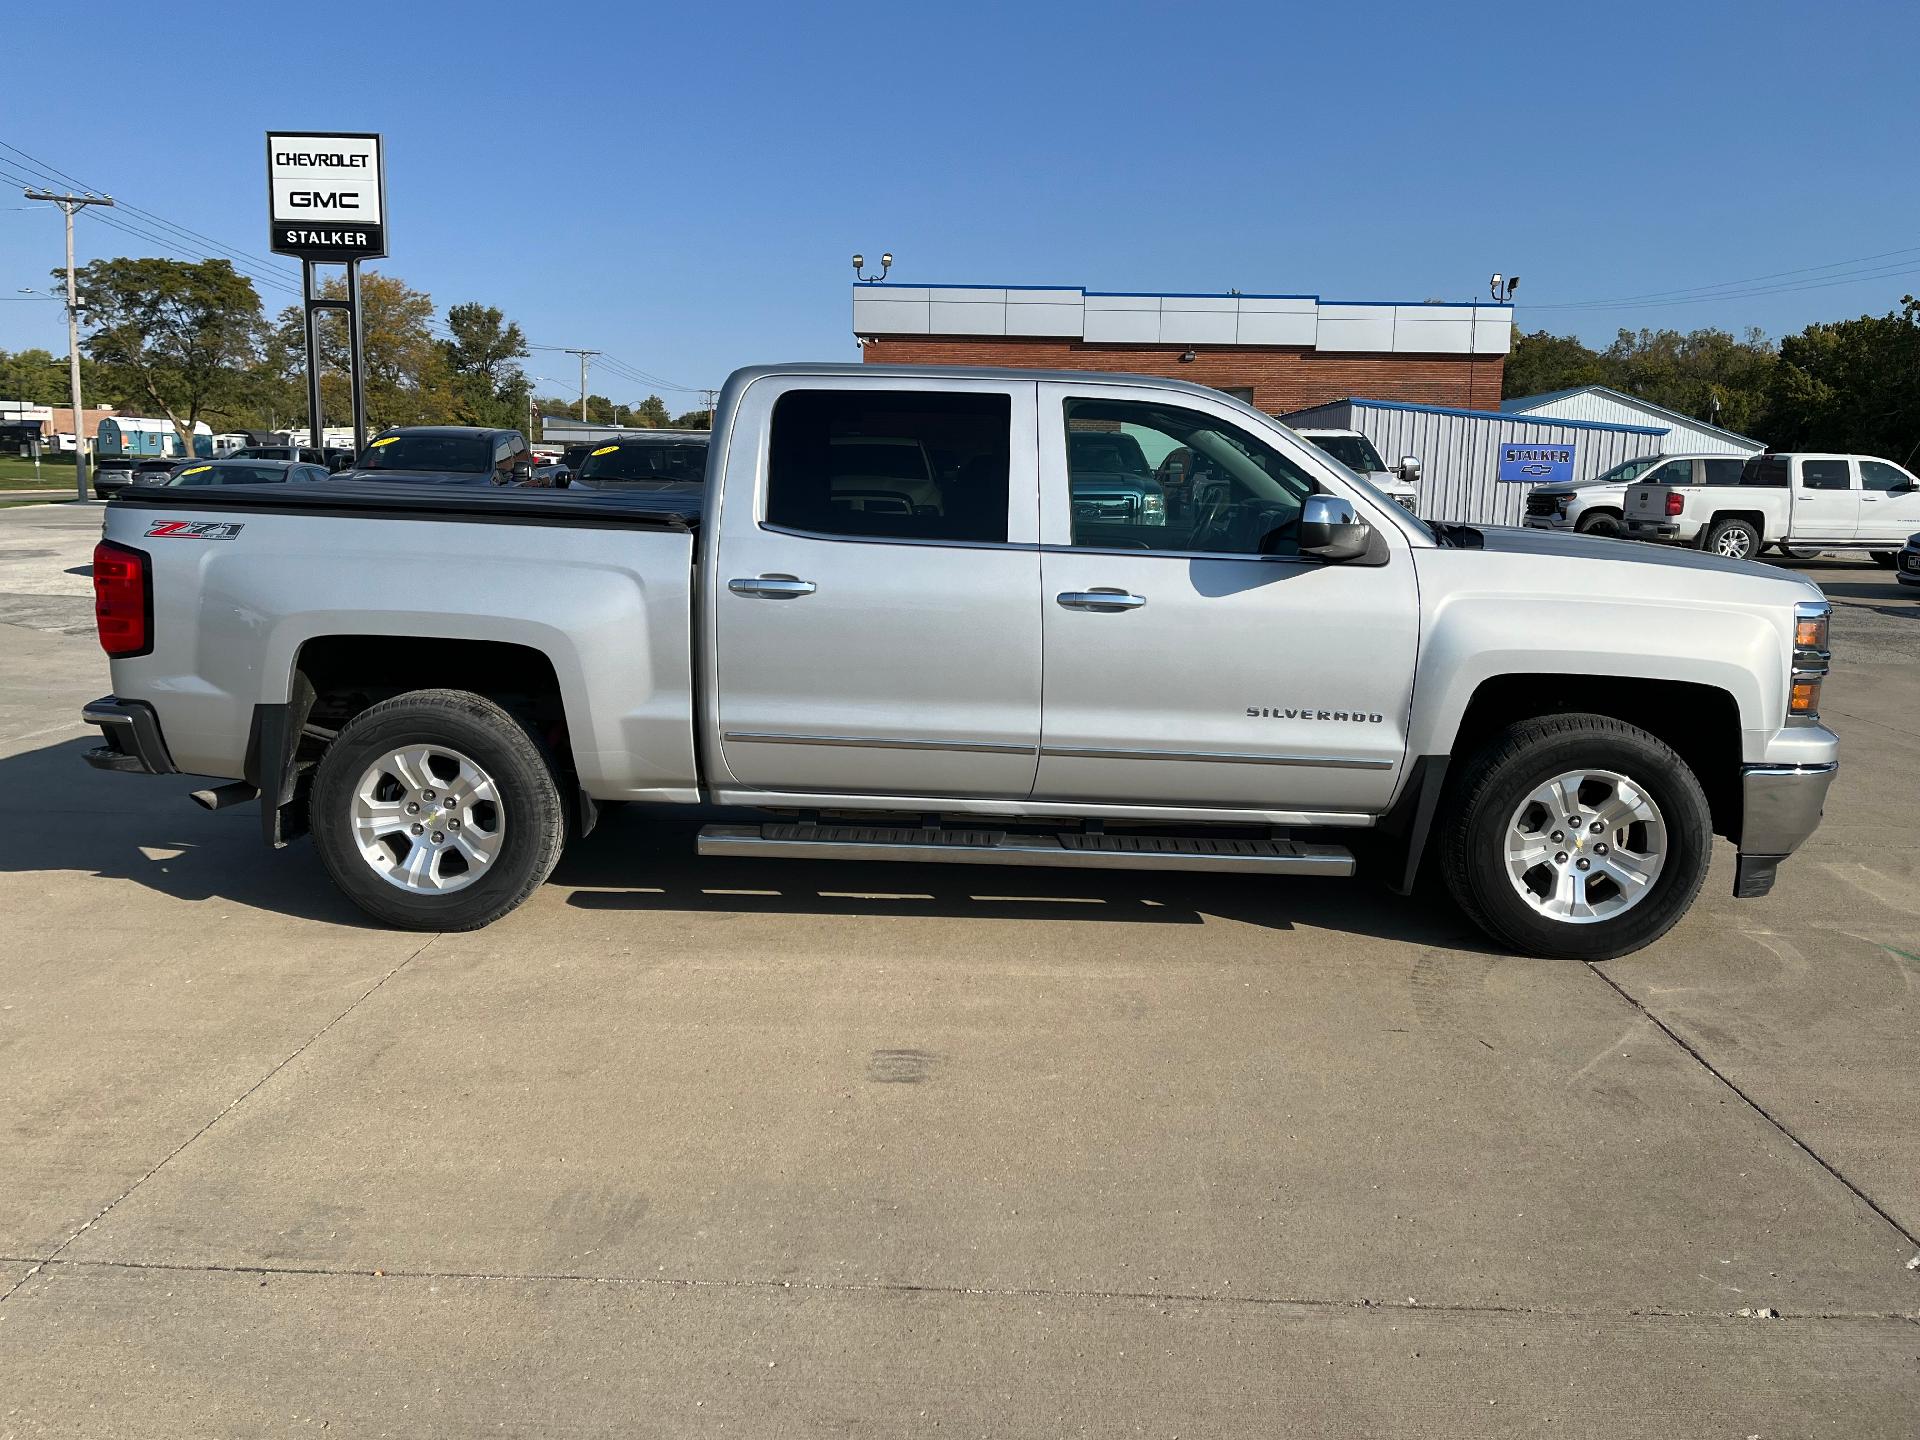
(634, 464)
(1628, 470)
(1356, 452)
(458, 454)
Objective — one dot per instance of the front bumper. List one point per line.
(131, 731)
(1780, 807)
(1906, 567)
(1547, 522)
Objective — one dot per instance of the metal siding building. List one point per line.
(1459, 451)
(1685, 435)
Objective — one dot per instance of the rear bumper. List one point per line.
(1653, 529)
(1780, 807)
(131, 731)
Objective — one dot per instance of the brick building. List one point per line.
(1280, 352)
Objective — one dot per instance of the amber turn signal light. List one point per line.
(1804, 699)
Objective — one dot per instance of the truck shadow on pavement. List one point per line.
(62, 816)
(639, 863)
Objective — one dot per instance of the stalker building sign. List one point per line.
(328, 196)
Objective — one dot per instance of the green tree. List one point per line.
(1852, 385)
(39, 377)
(1541, 362)
(179, 335)
(1705, 373)
(405, 375)
(694, 420)
(652, 412)
(487, 384)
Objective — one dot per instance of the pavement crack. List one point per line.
(985, 1292)
(1753, 1104)
(227, 1110)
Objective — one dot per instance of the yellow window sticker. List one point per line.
(605, 450)
(197, 470)
(388, 441)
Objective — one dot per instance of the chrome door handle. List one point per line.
(1104, 601)
(772, 587)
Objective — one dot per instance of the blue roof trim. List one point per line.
(1188, 295)
(1486, 415)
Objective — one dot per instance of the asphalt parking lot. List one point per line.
(756, 1148)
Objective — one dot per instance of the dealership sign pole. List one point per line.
(327, 204)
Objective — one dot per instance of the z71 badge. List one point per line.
(197, 529)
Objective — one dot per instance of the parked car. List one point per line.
(114, 473)
(1109, 479)
(1908, 571)
(1598, 506)
(1297, 676)
(1804, 503)
(669, 459)
(244, 472)
(451, 455)
(1356, 452)
(303, 453)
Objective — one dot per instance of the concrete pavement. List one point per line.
(749, 1147)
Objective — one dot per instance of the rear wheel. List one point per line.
(1793, 553)
(1735, 539)
(1576, 836)
(437, 810)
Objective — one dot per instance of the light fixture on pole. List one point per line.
(860, 264)
(1502, 290)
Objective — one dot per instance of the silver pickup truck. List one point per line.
(1289, 675)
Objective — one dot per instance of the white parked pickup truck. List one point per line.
(1356, 452)
(1598, 506)
(1801, 503)
(1291, 675)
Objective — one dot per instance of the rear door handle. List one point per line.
(1103, 601)
(772, 587)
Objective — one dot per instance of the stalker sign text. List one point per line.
(327, 196)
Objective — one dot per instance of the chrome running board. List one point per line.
(999, 847)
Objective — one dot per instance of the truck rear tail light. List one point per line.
(1676, 502)
(122, 599)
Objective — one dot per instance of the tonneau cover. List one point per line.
(675, 509)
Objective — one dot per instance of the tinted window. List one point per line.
(460, 454)
(1213, 489)
(231, 474)
(861, 462)
(1764, 470)
(1723, 472)
(1879, 475)
(1627, 470)
(1824, 475)
(1674, 472)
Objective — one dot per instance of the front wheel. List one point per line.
(1735, 539)
(1576, 836)
(1602, 522)
(437, 810)
(1885, 559)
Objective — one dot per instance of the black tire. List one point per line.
(1885, 559)
(1723, 532)
(1601, 522)
(1792, 553)
(1497, 781)
(533, 816)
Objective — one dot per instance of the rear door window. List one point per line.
(1674, 472)
(1765, 470)
(1722, 472)
(886, 464)
(1825, 475)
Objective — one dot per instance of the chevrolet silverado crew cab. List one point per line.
(1801, 503)
(1598, 506)
(891, 627)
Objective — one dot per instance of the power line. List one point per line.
(1889, 273)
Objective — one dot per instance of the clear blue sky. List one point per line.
(681, 186)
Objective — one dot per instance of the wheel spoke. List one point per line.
(1632, 873)
(409, 767)
(1627, 804)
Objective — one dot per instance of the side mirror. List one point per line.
(1410, 468)
(1332, 529)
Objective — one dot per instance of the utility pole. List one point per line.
(583, 354)
(713, 405)
(81, 440)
